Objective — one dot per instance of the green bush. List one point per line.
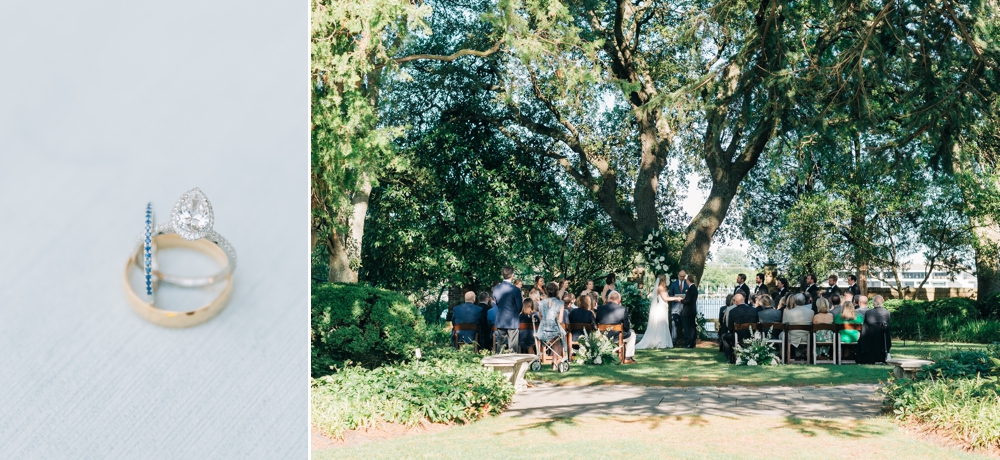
(971, 331)
(909, 320)
(953, 307)
(953, 320)
(989, 308)
(962, 364)
(432, 312)
(636, 303)
(969, 408)
(447, 387)
(361, 324)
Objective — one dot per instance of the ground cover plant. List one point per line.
(444, 387)
(953, 319)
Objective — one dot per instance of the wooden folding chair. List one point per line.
(547, 358)
(573, 327)
(766, 329)
(465, 327)
(814, 344)
(789, 356)
(851, 346)
(605, 328)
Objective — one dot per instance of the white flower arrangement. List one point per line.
(654, 251)
(755, 352)
(595, 348)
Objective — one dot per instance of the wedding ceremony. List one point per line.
(640, 226)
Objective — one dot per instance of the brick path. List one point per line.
(855, 401)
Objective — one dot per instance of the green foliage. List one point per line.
(449, 387)
(637, 304)
(361, 324)
(755, 351)
(951, 319)
(962, 364)
(700, 321)
(990, 307)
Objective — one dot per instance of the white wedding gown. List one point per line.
(658, 329)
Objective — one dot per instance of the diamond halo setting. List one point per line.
(192, 217)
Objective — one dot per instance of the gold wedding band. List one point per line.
(179, 319)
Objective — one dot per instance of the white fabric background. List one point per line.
(105, 105)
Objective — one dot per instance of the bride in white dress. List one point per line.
(658, 329)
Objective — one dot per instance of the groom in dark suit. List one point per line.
(613, 313)
(677, 289)
(509, 302)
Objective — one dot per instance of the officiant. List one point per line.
(677, 289)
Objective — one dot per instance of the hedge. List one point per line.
(363, 325)
(952, 320)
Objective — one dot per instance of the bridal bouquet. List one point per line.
(755, 352)
(596, 348)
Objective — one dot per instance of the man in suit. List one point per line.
(741, 313)
(677, 289)
(811, 287)
(761, 288)
(782, 284)
(467, 313)
(862, 305)
(485, 328)
(741, 286)
(509, 303)
(836, 307)
(832, 288)
(613, 313)
(689, 313)
(852, 285)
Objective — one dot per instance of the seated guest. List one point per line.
(613, 313)
(876, 335)
(485, 328)
(519, 284)
(849, 297)
(763, 301)
(529, 316)
(835, 304)
(769, 314)
(798, 313)
(569, 302)
(467, 313)
(583, 315)
(722, 321)
(861, 307)
(491, 316)
(810, 301)
(823, 316)
(740, 314)
(848, 316)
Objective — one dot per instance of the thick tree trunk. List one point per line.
(340, 262)
(987, 260)
(345, 248)
(701, 229)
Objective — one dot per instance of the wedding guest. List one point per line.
(722, 321)
(798, 313)
(509, 300)
(768, 314)
(761, 288)
(832, 288)
(836, 306)
(485, 328)
(535, 295)
(563, 286)
(583, 315)
(595, 298)
(862, 306)
(467, 313)
(848, 316)
(529, 316)
(609, 286)
(876, 335)
(823, 316)
(613, 313)
(740, 314)
(589, 289)
(741, 286)
(690, 312)
(550, 315)
(569, 300)
(852, 285)
(518, 283)
(761, 301)
(540, 285)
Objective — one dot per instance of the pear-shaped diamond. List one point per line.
(192, 216)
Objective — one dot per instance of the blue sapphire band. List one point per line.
(148, 249)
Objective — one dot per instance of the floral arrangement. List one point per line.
(700, 321)
(656, 251)
(755, 352)
(596, 348)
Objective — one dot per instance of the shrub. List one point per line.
(361, 324)
(969, 408)
(952, 307)
(637, 304)
(432, 312)
(447, 387)
(971, 331)
(909, 320)
(961, 364)
(989, 308)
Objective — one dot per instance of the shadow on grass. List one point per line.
(837, 428)
(549, 425)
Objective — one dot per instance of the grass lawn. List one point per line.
(705, 366)
(658, 437)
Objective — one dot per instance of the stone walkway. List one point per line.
(855, 401)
